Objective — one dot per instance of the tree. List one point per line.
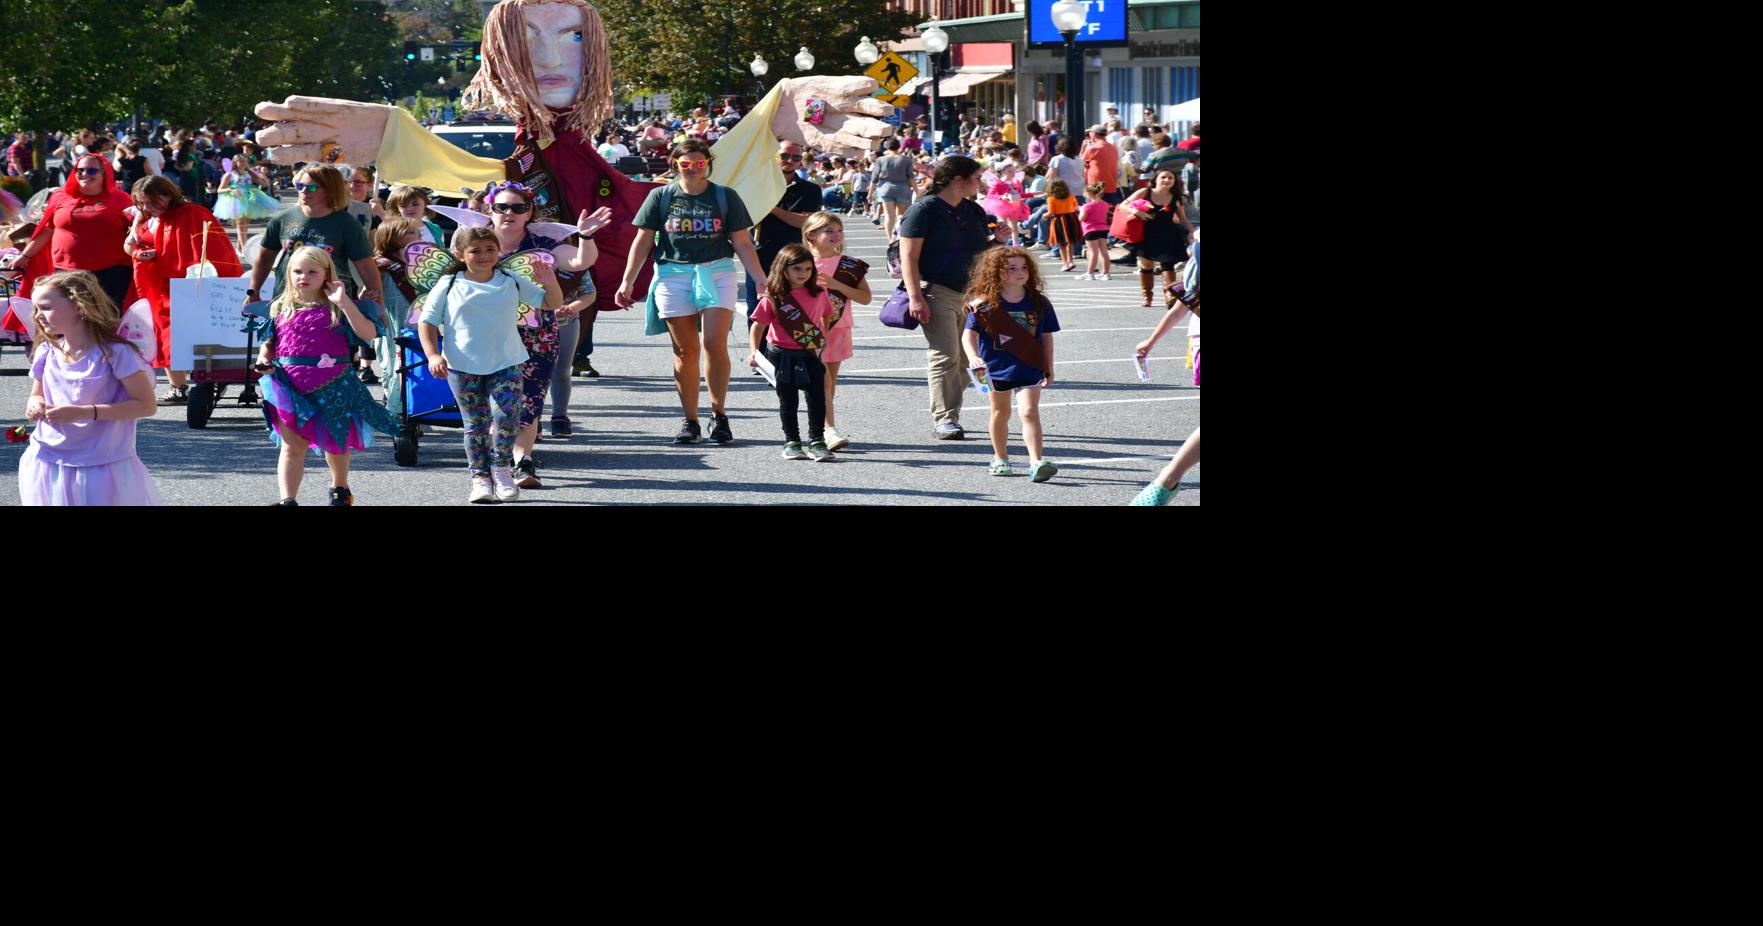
(700, 51)
(73, 75)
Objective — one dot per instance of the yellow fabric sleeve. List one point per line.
(412, 154)
(746, 158)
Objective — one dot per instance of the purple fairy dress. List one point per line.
(313, 391)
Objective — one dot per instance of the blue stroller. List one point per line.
(419, 398)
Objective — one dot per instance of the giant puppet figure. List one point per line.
(547, 64)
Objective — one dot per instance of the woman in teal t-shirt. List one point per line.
(699, 228)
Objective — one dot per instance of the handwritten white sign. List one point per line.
(208, 316)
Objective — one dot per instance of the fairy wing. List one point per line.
(465, 217)
(556, 230)
(428, 264)
(525, 264)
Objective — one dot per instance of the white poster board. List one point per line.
(210, 316)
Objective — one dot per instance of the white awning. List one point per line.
(955, 83)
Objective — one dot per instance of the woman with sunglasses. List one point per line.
(512, 206)
(698, 229)
(84, 226)
(320, 219)
(165, 241)
(939, 238)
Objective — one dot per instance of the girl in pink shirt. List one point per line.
(796, 312)
(91, 386)
(1093, 217)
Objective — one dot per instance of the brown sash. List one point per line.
(801, 328)
(400, 277)
(1009, 334)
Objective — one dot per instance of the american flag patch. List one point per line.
(526, 163)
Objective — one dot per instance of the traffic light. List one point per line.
(409, 53)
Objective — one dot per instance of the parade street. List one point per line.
(1108, 432)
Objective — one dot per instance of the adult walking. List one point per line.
(187, 165)
(1166, 234)
(698, 228)
(84, 225)
(319, 218)
(783, 227)
(511, 209)
(1102, 165)
(893, 184)
(165, 242)
(1039, 152)
(940, 237)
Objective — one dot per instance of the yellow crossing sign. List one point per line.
(892, 71)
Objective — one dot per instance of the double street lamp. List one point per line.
(759, 67)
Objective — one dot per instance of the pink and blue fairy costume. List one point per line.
(313, 391)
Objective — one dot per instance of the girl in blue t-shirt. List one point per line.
(1009, 342)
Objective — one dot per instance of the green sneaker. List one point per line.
(1002, 468)
(1153, 496)
(1042, 470)
(817, 451)
(793, 451)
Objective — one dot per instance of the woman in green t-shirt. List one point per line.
(699, 228)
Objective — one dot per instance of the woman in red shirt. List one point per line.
(83, 227)
(167, 240)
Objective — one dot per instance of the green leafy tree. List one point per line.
(699, 51)
(64, 72)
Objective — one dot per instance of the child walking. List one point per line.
(479, 310)
(1063, 231)
(240, 199)
(91, 385)
(311, 395)
(796, 311)
(1093, 218)
(846, 279)
(1009, 333)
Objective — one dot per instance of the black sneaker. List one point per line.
(285, 503)
(689, 433)
(526, 473)
(588, 369)
(341, 498)
(368, 377)
(719, 431)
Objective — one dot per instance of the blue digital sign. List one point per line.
(1105, 25)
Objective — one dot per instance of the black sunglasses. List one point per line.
(89, 171)
(516, 208)
(789, 157)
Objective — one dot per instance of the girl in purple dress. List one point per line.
(311, 395)
(91, 386)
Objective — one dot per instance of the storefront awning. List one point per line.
(953, 84)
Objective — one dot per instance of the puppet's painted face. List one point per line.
(554, 36)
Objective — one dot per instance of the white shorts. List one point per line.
(673, 294)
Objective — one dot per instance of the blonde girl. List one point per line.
(824, 234)
(311, 395)
(91, 385)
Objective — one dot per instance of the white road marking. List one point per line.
(1056, 361)
(890, 337)
(1179, 398)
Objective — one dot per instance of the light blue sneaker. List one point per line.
(1042, 470)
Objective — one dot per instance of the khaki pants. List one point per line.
(948, 376)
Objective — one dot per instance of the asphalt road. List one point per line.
(1108, 432)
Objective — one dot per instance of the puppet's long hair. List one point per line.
(506, 83)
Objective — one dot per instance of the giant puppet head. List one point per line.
(546, 61)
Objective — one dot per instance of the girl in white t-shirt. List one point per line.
(480, 308)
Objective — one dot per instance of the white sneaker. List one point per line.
(1103, 276)
(482, 492)
(1083, 276)
(506, 490)
(836, 440)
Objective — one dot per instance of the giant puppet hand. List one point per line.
(845, 128)
(318, 130)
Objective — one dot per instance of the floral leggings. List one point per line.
(541, 347)
(488, 403)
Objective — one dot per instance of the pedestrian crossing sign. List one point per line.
(892, 71)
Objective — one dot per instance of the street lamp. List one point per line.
(1068, 18)
(804, 60)
(867, 53)
(759, 67)
(936, 41)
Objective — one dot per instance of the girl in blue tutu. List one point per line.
(242, 200)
